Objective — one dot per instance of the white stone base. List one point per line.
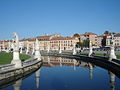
(16, 60)
(90, 53)
(74, 52)
(18, 63)
(112, 54)
(33, 53)
(37, 55)
(48, 51)
(7, 51)
(21, 51)
(60, 51)
(27, 52)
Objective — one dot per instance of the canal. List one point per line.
(59, 73)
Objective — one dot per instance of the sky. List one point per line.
(31, 18)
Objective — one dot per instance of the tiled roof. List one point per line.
(81, 34)
(44, 37)
(90, 33)
(28, 39)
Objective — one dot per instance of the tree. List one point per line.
(76, 35)
(83, 44)
(106, 32)
(86, 43)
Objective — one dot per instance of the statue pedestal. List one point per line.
(112, 53)
(37, 55)
(74, 52)
(33, 53)
(17, 63)
(60, 51)
(16, 60)
(27, 52)
(21, 50)
(90, 52)
(48, 51)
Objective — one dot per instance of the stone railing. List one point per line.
(6, 67)
(28, 62)
(9, 70)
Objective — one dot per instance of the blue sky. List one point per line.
(30, 18)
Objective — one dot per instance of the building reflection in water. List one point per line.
(112, 80)
(58, 61)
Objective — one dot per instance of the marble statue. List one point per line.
(27, 50)
(112, 49)
(48, 49)
(74, 49)
(37, 50)
(90, 49)
(60, 51)
(16, 59)
(33, 50)
(21, 49)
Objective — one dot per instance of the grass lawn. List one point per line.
(5, 58)
(99, 54)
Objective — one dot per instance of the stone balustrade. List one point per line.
(9, 70)
(6, 67)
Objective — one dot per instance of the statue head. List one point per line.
(16, 41)
(37, 44)
(15, 37)
(90, 44)
(112, 40)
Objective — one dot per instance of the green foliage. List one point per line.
(85, 43)
(118, 56)
(83, 53)
(24, 57)
(76, 35)
(106, 32)
(5, 58)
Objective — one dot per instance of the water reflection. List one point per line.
(58, 61)
(42, 79)
(17, 84)
(112, 80)
(37, 78)
(91, 70)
